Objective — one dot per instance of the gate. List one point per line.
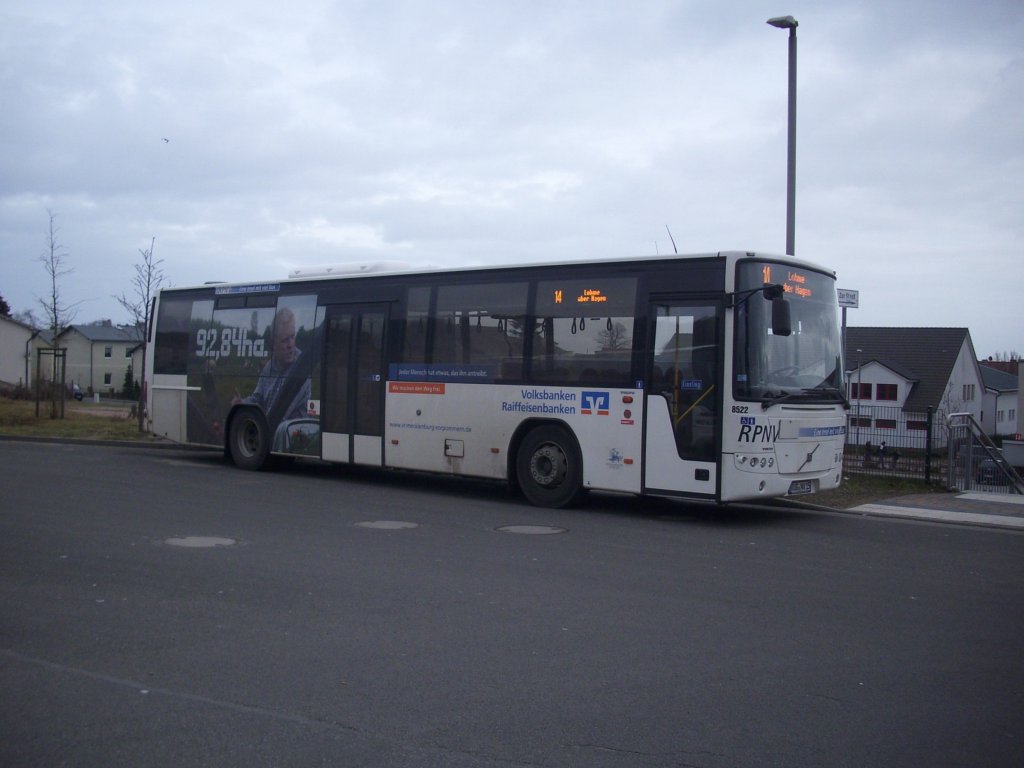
(975, 463)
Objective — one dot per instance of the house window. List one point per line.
(968, 392)
(106, 378)
(885, 423)
(860, 391)
(919, 426)
(885, 392)
(108, 351)
(128, 352)
(860, 421)
(1013, 414)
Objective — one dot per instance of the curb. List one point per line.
(979, 519)
(880, 510)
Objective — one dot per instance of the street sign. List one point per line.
(848, 298)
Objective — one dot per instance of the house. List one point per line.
(99, 354)
(1002, 398)
(897, 376)
(16, 357)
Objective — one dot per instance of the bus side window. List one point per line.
(174, 340)
(684, 372)
(481, 326)
(584, 326)
(417, 316)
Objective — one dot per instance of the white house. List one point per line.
(99, 354)
(16, 344)
(1002, 398)
(896, 375)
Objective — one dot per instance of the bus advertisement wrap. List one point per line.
(266, 357)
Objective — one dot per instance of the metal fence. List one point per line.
(887, 441)
(975, 463)
(952, 450)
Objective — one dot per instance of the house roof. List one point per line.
(104, 332)
(892, 365)
(1011, 367)
(34, 333)
(923, 355)
(1001, 381)
(12, 321)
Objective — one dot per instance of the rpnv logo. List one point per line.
(594, 402)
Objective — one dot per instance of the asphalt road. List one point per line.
(646, 633)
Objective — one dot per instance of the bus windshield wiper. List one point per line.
(835, 392)
(783, 396)
(770, 399)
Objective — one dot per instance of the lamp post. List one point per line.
(788, 22)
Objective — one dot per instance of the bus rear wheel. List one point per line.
(549, 467)
(249, 439)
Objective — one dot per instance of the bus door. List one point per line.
(683, 396)
(353, 385)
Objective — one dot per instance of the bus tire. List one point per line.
(549, 467)
(249, 439)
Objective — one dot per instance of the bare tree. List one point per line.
(27, 317)
(58, 314)
(147, 281)
(614, 337)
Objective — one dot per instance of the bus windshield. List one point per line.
(804, 366)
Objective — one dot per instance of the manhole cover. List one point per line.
(387, 525)
(532, 530)
(200, 542)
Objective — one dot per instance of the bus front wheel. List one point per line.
(249, 439)
(549, 467)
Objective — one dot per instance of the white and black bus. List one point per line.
(715, 376)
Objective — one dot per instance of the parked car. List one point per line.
(76, 392)
(989, 473)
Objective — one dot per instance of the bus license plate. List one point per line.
(800, 487)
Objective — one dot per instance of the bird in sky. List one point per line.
(165, 141)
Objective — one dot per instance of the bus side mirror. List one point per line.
(781, 322)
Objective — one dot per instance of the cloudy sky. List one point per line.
(253, 137)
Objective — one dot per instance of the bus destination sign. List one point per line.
(795, 283)
(589, 296)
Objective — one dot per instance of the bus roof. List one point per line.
(388, 268)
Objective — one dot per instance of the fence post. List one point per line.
(928, 447)
(951, 460)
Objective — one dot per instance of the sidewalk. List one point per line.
(998, 510)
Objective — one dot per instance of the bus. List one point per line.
(716, 377)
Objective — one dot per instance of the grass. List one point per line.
(864, 489)
(93, 421)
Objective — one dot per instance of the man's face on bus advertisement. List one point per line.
(284, 343)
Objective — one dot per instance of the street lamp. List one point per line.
(788, 22)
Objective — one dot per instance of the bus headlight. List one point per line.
(756, 463)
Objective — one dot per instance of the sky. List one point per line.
(251, 138)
